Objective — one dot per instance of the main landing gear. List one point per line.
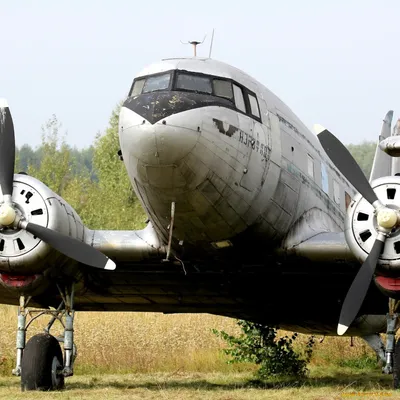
(389, 356)
(40, 362)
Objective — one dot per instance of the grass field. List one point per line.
(322, 384)
(153, 355)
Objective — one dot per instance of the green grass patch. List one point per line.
(364, 362)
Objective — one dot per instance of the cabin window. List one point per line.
(324, 178)
(137, 87)
(193, 83)
(158, 82)
(310, 166)
(223, 88)
(336, 192)
(254, 106)
(239, 99)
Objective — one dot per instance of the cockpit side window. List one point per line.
(239, 99)
(193, 83)
(158, 82)
(137, 87)
(254, 106)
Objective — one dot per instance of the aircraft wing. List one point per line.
(328, 247)
(319, 239)
(123, 246)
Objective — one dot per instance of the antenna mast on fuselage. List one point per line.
(195, 43)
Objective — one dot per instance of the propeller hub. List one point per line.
(387, 218)
(7, 215)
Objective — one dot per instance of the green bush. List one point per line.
(260, 345)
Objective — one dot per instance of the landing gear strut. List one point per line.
(40, 362)
(389, 355)
(392, 347)
(390, 343)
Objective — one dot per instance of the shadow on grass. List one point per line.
(362, 381)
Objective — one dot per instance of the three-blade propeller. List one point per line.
(386, 218)
(67, 245)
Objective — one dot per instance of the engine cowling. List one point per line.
(361, 225)
(21, 253)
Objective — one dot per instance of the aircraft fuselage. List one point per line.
(227, 151)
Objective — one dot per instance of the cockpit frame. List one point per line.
(172, 86)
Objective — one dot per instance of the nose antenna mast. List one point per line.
(195, 43)
(212, 41)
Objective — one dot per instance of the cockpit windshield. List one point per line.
(184, 81)
(151, 84)
(158, 82)
(193, 83)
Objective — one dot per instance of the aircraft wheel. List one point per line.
(41, 363)
(396, 365)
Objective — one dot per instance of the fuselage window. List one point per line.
(158, 82)
(239, 99)
(223, 88)
(324, 178)
(137, 87)
(254, 106)
(310, 166)
(193, 83)
(336, 192)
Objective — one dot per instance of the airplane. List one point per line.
(251, 215)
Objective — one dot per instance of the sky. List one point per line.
(333, 63)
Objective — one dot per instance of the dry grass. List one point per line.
(152, 342)
(134, 342)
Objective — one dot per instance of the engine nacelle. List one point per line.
(21, 253)
(361, 225)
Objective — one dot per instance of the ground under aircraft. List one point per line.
(250, 215)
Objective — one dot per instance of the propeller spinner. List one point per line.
(387, 219)
(67, 245)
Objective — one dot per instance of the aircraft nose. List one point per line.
(166, 142)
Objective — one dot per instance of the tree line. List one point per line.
(93, 180)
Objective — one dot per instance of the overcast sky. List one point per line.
(335, 63)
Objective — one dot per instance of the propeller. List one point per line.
(7, 151)
(386, 219)
(66, 245)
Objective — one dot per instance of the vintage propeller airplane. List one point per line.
(250, 215)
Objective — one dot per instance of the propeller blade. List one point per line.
(71, 247)
(346, 164)
(7, 149)
(358, 289)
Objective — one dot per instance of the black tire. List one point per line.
(40, 359)
(396, 365)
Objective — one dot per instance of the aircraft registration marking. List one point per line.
(244, 137)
